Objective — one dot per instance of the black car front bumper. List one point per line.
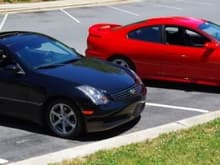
(115, 114)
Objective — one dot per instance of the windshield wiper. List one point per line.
(45, 66)
(72, 60)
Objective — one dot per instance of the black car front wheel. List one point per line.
(63, 119)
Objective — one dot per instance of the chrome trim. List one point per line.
(126, 93)
(22, 72)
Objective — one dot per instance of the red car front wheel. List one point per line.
(122, 61)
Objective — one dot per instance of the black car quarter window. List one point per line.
(4, 59)
(185, 37)
(151, 34)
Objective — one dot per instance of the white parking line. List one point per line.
(3, 161)
(3, 21)
(68, 14)
(166, 6)
(177, 107)
(123, 10)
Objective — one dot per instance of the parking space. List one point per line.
(89, 16)
(148, 9)
(155, 116)
(165, 102)
(20, 140)
(198, 97)
(54, 23)
(205, 9)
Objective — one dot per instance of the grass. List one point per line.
(199, 145)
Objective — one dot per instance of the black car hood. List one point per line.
(93, 72)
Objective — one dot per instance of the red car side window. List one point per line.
(185, 37)
(151, 34)
(195, 39)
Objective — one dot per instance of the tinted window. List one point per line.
(174, 36)
(185, 37)
(151, 34)
(4, 59)
(195, 39)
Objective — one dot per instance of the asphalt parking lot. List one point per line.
(166, 102)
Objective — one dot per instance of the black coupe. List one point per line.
(45, 81)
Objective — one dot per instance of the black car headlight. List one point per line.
(96, 96)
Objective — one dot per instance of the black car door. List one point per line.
(17, 96)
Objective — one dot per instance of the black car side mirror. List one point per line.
(13, 68)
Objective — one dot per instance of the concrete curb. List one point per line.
(118, 141)
(54, 5)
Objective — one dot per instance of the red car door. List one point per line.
(194, 61)
(144, 48)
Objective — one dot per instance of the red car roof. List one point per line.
(177, 20)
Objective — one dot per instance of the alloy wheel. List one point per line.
(63, 119)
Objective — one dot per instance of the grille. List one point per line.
(125, 94)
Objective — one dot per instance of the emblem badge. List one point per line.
(132, 91)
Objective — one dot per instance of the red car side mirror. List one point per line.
(211, 45)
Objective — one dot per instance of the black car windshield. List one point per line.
(39, 51)
(212, 29)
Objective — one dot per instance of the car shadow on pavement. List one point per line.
(110, 133)
(182, 86)
(23, 125)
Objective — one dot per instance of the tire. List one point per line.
(64, 119)
(122, 61)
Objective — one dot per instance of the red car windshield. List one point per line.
(212, 29)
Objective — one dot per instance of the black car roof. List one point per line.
(11, 33)
(4, 36)
(12, 37)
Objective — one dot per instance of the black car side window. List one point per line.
(4, 59)
(151, 34)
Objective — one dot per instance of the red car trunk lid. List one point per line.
(98, 29)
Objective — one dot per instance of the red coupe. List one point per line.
(182, 49)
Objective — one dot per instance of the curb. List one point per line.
(118, 141)
(54, 5)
